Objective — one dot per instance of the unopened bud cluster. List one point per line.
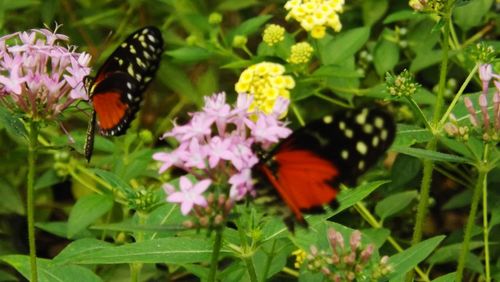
(213, 215)
(401, 85)
(143, 200)
(482, 53)
(427, 5)
(353, 262)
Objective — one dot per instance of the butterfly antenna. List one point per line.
(71, 140)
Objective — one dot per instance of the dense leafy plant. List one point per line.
(174, 198)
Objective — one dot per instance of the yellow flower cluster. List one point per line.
(316, 15)
(300, 256)
(266, 82)
(300, 53)
(273, 34)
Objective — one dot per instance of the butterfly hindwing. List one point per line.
(307, 167)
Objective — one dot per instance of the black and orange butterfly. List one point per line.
(307, 168)
(116, 91)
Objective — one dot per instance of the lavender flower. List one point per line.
(216, 146)
(39, 75)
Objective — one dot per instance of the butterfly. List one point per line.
(116, 91)
(307, 167)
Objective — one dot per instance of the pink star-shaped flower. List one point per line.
(189, 194)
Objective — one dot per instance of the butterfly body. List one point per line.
(116, 91)
(307, 168)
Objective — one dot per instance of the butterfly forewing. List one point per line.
(307, 167)
(116, 91)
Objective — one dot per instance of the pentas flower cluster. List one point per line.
(266, 82)
(345, 263)
(216, 147)
(316, 15)
(488, 124)
(40, 74)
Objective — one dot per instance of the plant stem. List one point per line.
(485, 226)
(32, 152)
(215, 255)
(428, 165)
(135, 268)
(470, 222)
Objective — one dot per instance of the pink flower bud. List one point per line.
(350, 258)
(496, 110)
(485, 74)
(355, 240)
(483, 103)
(471, 110)
(367, 253)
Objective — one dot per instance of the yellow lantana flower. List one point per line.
(273, 34)
(316, 15)
(300, 53)
(266, 82)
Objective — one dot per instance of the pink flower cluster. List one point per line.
(41, 77)
(216, 146)
(486, 74)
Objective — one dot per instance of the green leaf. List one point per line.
(336, 71)
(459, 200)
(404, 170)
(472, 14)
(373, 10)
(248, 27)
(189, 54)
(495, 216)
(348, 198)
(231, 5)
(18, 4)
(175, 250)
(427, 154)
(87, 210)
(345, 45)
(450, 253)
(50, 272)
(424, 60)
(114, 180)
(60, 228)
(179, 82)
(411, 134)
(12, 123)
(411, 257)
(446, 278)
(403, 15)
(394, 203)
(377, 235)
(386, 56)
(78, 248)
(47, 179)
(10, 199)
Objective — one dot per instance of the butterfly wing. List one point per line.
(307, 167)
(116, 92)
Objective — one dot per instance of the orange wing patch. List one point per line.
(303, 180)
(110, 109)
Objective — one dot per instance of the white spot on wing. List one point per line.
(361, 147)
(344, 154)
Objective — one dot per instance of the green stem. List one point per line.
(470, 221)
(298, 115)
(428, 165)
(417, 110)
(215, 255)
(458, 95)
(135, 268)
(32, 152)
(485, 226)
